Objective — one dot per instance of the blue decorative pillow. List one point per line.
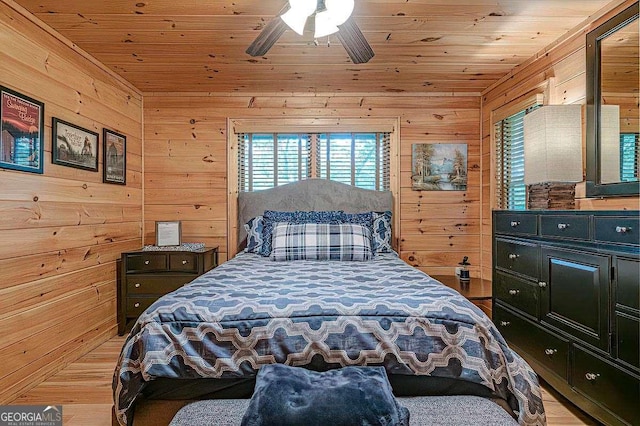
(365, 219)
(321, 241)
(288, 396)
(254, 234)
(271, 217)
(381, 233)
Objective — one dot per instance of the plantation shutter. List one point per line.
(511, 192)
(358, 159)
(629, 157)
(266, 160)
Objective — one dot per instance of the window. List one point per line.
(266, 160)
(629, 157)
(511, 192)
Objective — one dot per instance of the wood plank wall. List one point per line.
(185, 164)
(560, 72)
(62, 231)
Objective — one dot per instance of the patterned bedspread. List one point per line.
(252, 311)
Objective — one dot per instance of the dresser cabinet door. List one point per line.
(606, 385)
(574, 294)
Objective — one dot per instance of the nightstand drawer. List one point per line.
(517, 293)
(548, 349)
(159, 285)
(518, 224)
(518, 257)
(606, 385)
(137, 305)
(183, 262)
(146, 262)
(573, 227)
(617, 229)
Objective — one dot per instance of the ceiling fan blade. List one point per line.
(354, 43)
(267, 37)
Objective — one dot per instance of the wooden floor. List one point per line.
(84, 389)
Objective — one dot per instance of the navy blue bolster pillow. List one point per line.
(288, 396)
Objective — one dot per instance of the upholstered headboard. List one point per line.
(310, 195)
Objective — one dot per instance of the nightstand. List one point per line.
(476, 290)
(148, 275)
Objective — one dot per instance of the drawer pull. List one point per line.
(550, 351)
(562, 226)
(514, 223)
(514, 292)
(146, 262)
(622, 229)
(513, 256)
(591, 376)
(542, 284)
(504, 323)
(136, 305)
(137, 285)
(184, 262)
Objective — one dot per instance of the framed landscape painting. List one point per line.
(73, 146)
(115, 157)
(21, 132)
(439, 167)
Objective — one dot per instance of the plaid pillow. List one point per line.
(271, 217)
(254, 234)
(321, 241)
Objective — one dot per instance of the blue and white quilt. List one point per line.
(252, 311)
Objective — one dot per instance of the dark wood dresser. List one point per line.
(566, 296)
(147, 275)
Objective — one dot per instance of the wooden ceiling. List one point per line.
(420, 45)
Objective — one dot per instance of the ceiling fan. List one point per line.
(331, 17)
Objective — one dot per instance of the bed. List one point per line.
(209, 338)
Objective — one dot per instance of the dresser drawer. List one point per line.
(518, 257)
(137, 304)
(606, 385)
(548, 349)
(617, 229)
(628, 339)
(517, 224)
(183, 262)
(146, 262)
(628, 288)
(572, 227)
(157, 285)
(517, 293)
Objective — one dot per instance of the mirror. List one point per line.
(613, 113)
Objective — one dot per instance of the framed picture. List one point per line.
(168, 233)
(73, 146)
(439, 167)
(21, 132)
(115, 157)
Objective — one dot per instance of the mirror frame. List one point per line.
(593, 186)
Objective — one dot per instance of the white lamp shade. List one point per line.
(299, 11)
(324, 24)
(609, 143)
(553, 144)
(336, 13)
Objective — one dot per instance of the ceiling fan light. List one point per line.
(299, 11)
(340, 10)
(324, 24)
